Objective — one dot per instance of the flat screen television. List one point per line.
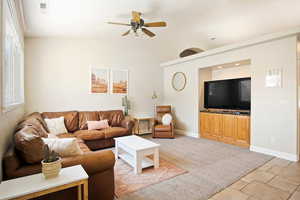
(232, 94)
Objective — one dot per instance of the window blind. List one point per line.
(13, 60)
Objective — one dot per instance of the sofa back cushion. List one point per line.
(85, 116)
(29, 145)
(71, 119)
(35, 121)
(114, 117)
(38, 116)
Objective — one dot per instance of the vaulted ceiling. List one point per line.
(191, 23)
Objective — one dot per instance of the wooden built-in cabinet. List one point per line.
(227, 128)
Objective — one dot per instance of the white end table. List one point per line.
(138, 121)
(134, 149)
(36, 185)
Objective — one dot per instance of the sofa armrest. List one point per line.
(92, 162)
(10, 163)
(154, 122)
(128, 124)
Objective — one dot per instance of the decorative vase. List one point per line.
(52, 169)
(126, 111)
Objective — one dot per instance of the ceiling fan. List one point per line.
(137, 23)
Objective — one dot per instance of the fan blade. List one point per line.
(136, 16)
(117, 23)
(147, 32)
(155, 24)
(126, 33)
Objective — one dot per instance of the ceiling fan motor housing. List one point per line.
(135, 25)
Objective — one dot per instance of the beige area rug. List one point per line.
(126, 181)
(211, 167)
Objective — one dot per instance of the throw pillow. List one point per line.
(166, 119)
(64, 146)
(97, 125)
(52, 135)
(56, 125)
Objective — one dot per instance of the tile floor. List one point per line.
(278, 179)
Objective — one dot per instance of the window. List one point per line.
(13, 60)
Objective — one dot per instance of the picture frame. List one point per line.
(99, 80)
(119, 81)
(273, 78)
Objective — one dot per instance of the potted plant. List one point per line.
(126, 105)
(51, 164)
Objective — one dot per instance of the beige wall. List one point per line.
(8, 120)
(232, 72)
(274, 110)
(8, 123)
(57, 72)
(204, 75)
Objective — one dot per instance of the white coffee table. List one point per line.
(134, 149)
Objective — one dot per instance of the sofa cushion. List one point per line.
(83, 146)
(71, 118)
(29, 144)
(66, 135)
(162, 128)
(37, 116)
(115, 132)
(114, 117)
(35, 124)
(90, 134)
(87, 116)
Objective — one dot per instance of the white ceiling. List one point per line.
(191, 23)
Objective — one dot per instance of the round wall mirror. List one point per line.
(179, 81)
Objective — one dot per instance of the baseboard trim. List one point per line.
(283, 155)
(186, 133)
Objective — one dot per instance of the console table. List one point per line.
(36, 185)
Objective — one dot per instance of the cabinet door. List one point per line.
(205, 124)
(216, 126)
(229, 129)
(243, 131)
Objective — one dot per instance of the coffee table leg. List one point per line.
(156, 158)
(138, 163)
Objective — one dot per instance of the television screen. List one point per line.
(232, 94)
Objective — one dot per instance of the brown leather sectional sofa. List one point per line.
(24, 157)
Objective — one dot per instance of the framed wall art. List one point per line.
(119, 81)
(99, 81)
